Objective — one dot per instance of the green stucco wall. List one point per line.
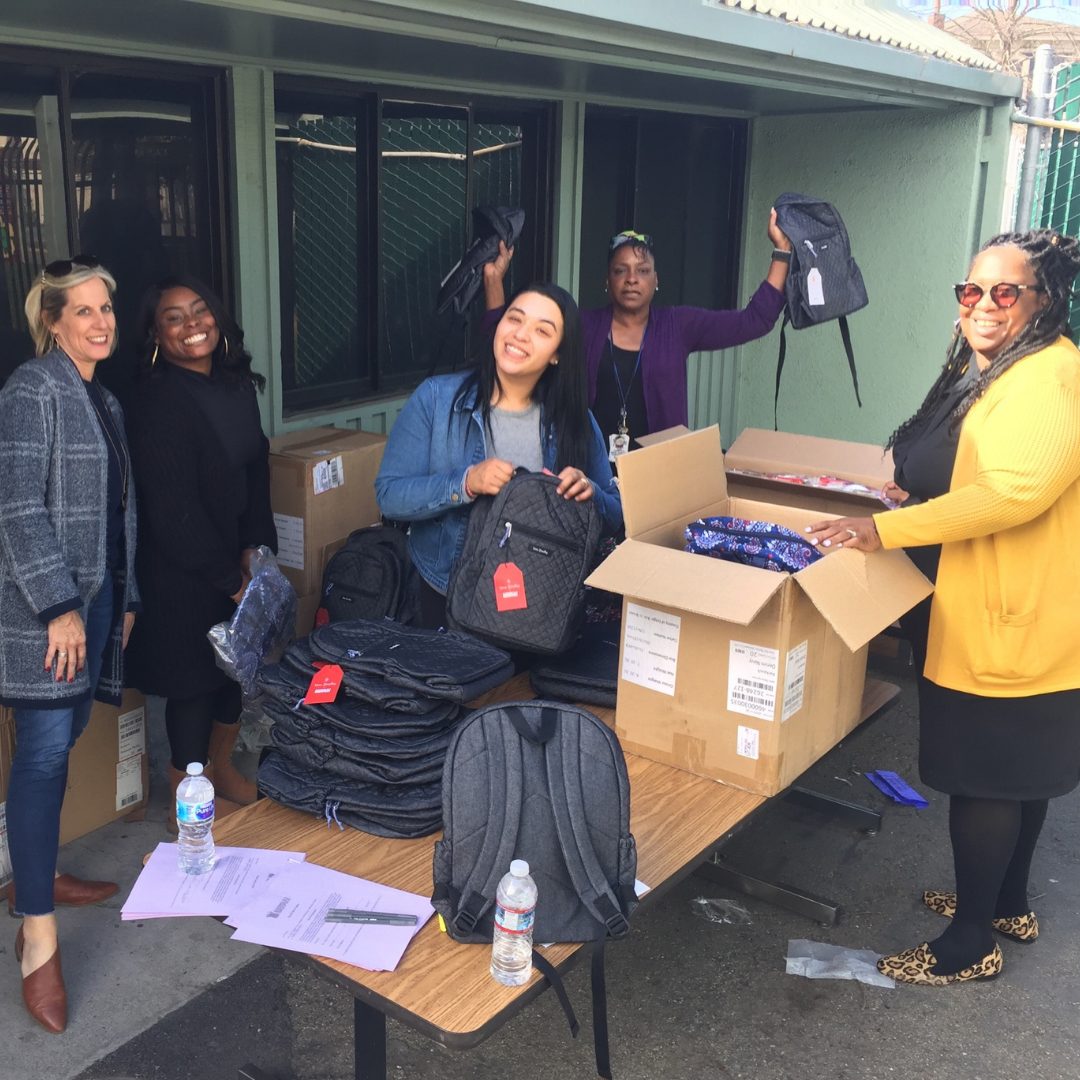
(918, 191)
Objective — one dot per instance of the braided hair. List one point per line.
(1055, 261)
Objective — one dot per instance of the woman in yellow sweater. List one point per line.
(1000, 701)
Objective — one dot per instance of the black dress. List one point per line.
(981, 747)
(202, 474)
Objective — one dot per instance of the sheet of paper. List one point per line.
(291, 915)
(651, 648)
(752, 674)
(129, 786)
(290, 535)
(239, 875)
(328, 474)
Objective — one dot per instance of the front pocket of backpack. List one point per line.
(551, 568)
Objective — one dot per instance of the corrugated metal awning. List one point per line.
(867, 21)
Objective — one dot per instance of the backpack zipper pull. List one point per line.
(811, 247)
(508, 528)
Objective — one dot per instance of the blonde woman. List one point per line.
(67, 590)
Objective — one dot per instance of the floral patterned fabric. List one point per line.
(756, 543)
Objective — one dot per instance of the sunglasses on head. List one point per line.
(1004, 294)
(630, 237)
(63, 267)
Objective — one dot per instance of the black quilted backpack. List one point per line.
(370, 577)
(528, 528)
(824, 282)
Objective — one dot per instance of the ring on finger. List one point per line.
(852, 533)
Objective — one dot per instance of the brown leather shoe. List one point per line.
(71, 891)
(43, 990)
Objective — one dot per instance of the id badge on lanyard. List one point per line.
(619, 443)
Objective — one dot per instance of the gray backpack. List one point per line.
(544, 782)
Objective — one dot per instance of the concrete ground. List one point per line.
(687, 998)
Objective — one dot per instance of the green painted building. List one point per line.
(318, 160)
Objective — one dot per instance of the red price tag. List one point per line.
(510, 588)
(324, 685)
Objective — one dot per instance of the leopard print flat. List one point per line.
(1022, 928)
(914, 966)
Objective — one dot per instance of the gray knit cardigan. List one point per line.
(53, 497)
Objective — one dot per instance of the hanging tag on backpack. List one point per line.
(324, 685)
(509, 588)
(815, 294)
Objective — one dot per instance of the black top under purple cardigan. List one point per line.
(674, 333)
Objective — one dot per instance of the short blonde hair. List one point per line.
(47, 299)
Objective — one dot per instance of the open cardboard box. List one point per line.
(757, 450)
(743, 675)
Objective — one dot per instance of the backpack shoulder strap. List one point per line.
(780, 356)
(845, 335)
(565, 785)
(504, 770)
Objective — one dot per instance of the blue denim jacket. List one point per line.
(422, 479)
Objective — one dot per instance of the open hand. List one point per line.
(848, 532)
(66, 652)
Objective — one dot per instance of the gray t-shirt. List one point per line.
(515, 437)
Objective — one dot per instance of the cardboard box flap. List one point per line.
(670, 578)
(671, 480)
(313, 443)
(662, 436)
(860, 594)
(764, 451)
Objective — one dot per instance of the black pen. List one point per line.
(384, 918)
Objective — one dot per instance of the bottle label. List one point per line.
(194, 813)
(514, 920)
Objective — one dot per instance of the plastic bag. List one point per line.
(817, 960)
(719, 910)
(261, 626)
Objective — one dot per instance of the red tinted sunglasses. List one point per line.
(1004, 294)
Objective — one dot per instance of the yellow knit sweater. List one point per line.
(1005, 619)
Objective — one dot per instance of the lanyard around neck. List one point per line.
(625, 394)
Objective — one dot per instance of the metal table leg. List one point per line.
(369, 1041)
(862, 816)
(783, 896)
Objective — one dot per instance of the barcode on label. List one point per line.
(127, 800)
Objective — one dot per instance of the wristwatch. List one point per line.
(778, 255)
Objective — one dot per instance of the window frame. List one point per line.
(368, 100)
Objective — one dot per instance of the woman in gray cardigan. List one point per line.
(67, 591)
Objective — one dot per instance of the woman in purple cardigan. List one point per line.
(636, 353)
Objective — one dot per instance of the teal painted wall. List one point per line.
(918, 191)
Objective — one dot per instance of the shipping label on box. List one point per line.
(131, 727)
(752, 674)
(290, 538)
(129, 782)
(328, 474)
(650, 654)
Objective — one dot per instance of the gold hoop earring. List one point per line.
(153, 355)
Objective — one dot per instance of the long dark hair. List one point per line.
(561, 393)
(231, 360)
(1055, 261)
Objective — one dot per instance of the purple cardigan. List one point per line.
(674, 333)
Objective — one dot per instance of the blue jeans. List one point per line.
(39, 770)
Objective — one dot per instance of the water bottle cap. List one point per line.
(519, 868)
(195, 769)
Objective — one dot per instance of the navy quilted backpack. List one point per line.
(756, 543)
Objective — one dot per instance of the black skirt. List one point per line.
(999, 748)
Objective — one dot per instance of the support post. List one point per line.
(1038, 102)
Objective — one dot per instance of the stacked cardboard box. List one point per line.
(108, 771)
(322, 487)
(731, 672)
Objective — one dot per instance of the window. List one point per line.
(678, 178)
(374, 201)
(115, 159)
(118, 160)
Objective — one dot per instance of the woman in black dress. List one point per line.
(201, 467)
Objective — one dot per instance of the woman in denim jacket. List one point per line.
(463, 435)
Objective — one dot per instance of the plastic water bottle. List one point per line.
(515, 906)
(195, 821)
